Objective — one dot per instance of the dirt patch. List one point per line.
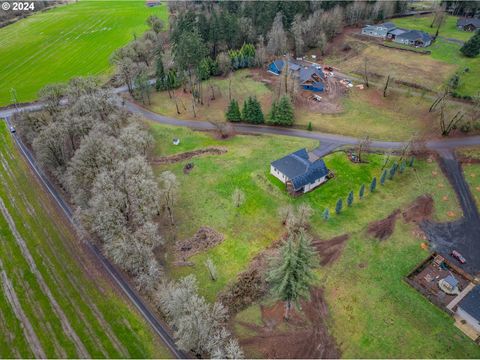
(187, 168)
(421, 209)
(383, 229)
(250, 285)
(205, 238)
(330, 250)
(188, 155)
(304, 336)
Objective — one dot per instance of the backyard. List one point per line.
(364, 288)
(67, 41)
(55, 302)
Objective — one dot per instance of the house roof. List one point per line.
(471, 303)
(307, 73)
(397, 31)
(467, 21)
(279, 63)
(452, 281)
(388, 25)
(300, 168)
(414, 35)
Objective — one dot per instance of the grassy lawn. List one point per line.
(447, 30)
(71, 40)
(106, 325)
(472, 172)
(375, 314)
(205, 200)
(365, 112)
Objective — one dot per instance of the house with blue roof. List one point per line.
(312, 78)
(300, 171)
(277, 66)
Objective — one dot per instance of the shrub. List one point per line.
(339, 206)
(233, 112)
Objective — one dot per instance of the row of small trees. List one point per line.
(281, 113)
(390, 174)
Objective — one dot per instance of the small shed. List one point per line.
(276, 67)
(468, 24)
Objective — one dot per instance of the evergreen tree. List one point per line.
(285, 115)
(412, 160)
(383, 177)
(160, 83)
(326, 214)
(309, 127)
(247, 110)
(472, 47)
(256, 111)
(272, 117)
(393, 171)
(373, 185)
(403, 166)
(350, 199)
(233, 112)
(292, 274)
(361, 193)
(339, 206)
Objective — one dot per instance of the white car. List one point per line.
(12, 130)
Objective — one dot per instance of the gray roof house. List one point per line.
(379, 30)
(300, 171)
(414, 38)
(468, 24)
(469, 308)
(392, 34)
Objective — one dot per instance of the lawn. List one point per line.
(205, 200)
(447, 30)
(71, 40)
(375, 314)
(57, 286)
(365, 112)
(472, 172)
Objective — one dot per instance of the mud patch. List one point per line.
(383, 229)
(330, 250)
(188, 155)
(421, 209)
(304, 336)
(205, 238)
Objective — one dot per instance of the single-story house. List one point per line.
(312, 78)
(277, 66)
(300, 171)
(392, 34)
(468, 24)
(379, 30)
(414, 38)
(468, 308)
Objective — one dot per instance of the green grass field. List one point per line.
(375, 314)
(52, 268)
(71, 40)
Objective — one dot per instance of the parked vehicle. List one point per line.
(458, 256)
(12, 130)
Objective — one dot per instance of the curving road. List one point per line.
(116, 276)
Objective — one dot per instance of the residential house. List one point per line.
(468, 24)
(277, 66)
(449, 285)
(414, 38)
(312, 78)
(300, 171)
(468, 308)
(392, 34)
(380, 30)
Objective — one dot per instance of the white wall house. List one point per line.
(469, 308)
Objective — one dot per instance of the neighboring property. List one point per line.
(389, 31)
(449, 285)
(277, 66)
(310, 77)
(468, 24)
(300, 171)
(380, 30)
(468, 308)
(414, 38)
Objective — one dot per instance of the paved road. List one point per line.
(116, 276)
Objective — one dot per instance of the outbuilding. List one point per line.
(379, 30)
(300, 171)
(468, 24)
(276, 67)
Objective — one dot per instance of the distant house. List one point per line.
(468, 24)
(414, 38)
(392, 34)
(468, 308)
(312, 78)
(300, 171)
(380, 30)
(277, 66)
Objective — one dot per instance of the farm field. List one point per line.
(205, 200)
(65, 42)
(54, 301)
(364, 288)
(365, 112)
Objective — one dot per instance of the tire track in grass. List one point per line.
(28, 331)
(82, 351)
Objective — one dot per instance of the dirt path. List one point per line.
(82, 351)
(28, 331)
(188, 155)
